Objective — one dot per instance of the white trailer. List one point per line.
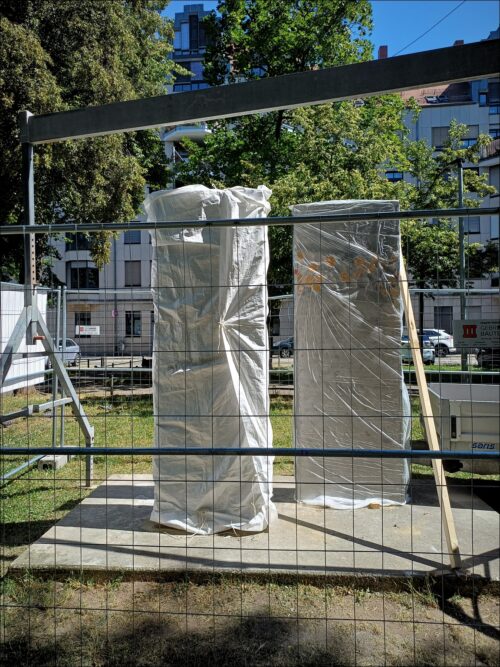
(467, 418)
(29, 360)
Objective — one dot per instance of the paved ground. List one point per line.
(110, 530)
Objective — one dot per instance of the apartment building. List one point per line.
(189, 51)
(477, 105)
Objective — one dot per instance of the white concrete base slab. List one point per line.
(111, 530)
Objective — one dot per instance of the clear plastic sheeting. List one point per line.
(349, 389)
(210, 360)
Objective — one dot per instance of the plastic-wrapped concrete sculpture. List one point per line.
(349, 389)
(210, 360)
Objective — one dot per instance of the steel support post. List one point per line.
(28, 186)
(63, 338)
(461, 252)
(55, 379)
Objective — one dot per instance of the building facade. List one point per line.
(477, 105)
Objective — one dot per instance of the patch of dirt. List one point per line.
(241, 623)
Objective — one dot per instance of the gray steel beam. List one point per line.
(65, 228)
(457, 63)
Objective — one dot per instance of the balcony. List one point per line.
(195, 132)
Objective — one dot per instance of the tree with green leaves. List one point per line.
(331, 151)
(64, 55)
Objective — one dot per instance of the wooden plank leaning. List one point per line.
(430, 426)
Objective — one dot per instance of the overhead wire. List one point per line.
(432, 27)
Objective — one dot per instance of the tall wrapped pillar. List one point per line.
(210, 360)
(349, 389)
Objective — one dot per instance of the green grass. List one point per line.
(282, 423)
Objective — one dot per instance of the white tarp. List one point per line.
(210, 360)
(349, 389)
(28, 359)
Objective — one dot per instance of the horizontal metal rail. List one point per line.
(11, 230)
(253, 451)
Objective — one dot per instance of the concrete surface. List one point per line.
(110, 530)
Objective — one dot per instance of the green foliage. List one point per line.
(261, 38)
(71, 54)
(431, 250)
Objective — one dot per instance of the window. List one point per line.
(394, 176)
(197, 37)
(132, 324)
(83, 277)
(193, 32)
(472, 225)
(184, 78)
(182, 87)
(495, 109)
(133, 274)
(82, 319)
(494, 132)
(483, 98)
(439, 136)
(494, 178)
(134, 236)
(443, 317)
(494, 227)
(494, 92)
(471, 137)
(78, 241)
(185, 36)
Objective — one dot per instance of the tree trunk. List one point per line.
(279, 124)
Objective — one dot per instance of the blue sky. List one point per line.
(399, 22)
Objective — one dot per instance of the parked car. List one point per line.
(284, 348)
(443, 341)
(72, 353)
(488, 357)
(429, 355)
